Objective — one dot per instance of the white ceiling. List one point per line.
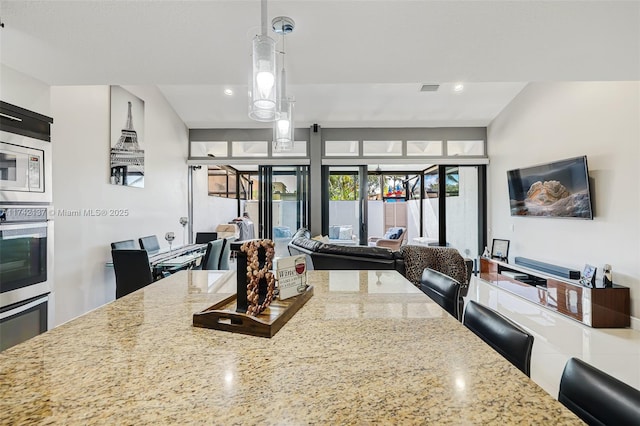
(349, 63)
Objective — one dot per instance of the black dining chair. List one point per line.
(503, 335)
(211, 258)
(132, 270)
(150, 244)
(442, 289)
(205, 237)
(596, 397)
(126, 244)
(225, 254)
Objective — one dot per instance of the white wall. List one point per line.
(24, 91)
(209, 212)
(80, 139)
(554, 121)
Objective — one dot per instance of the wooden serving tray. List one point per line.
(223, 316)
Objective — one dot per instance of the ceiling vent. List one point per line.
(429, 87)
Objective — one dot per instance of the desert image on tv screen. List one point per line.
(559, 189)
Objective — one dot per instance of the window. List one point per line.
(299, 150)
(374, 188)
(384, 148)
(465, 148)
(343, 186)
(424, 148)
(249, 148)
(249, 185)
(222, 182)
(432, 184)
(394, 187)
(209, 149)
(341, 148)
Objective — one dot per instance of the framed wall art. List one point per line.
(500, 249)
(127, 137)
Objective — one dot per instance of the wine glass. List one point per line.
(169, 236)
(184, 221)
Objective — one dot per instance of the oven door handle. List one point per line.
(24, 225)
(23, 230)
(23, 307)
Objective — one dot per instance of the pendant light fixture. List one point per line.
(283, 130)
(262, 89)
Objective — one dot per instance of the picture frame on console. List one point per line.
(588, 277)
(500, 249)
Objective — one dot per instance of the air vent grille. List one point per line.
(429, 87)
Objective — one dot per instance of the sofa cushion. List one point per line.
(306, 243)
(356, 251)
(393, 233)
(302, 232)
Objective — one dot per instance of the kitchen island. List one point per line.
(368, 347)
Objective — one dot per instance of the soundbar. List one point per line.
(560, 271)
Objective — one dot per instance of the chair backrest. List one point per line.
(442, 259)
(443, 289)
(225, 253)
(126, 244)
(205, 237)
(132, 270)
(149, 243)
(596, 397)
(502, 334)
(211, 258)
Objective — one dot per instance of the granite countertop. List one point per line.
(368, 347)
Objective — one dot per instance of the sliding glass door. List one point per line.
(462, 206)
(284, 203)
(453, 208)
(345, 194)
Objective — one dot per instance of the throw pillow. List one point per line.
(393, 233)
(346, 232)
(334, 232)
(321, 238)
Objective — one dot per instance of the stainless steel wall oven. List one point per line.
(24, 284)
(23, 321)
(26, 231)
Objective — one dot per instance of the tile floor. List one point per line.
(557, 338)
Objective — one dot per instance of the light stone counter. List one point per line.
(367, 348)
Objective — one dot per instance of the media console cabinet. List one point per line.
(595, 307)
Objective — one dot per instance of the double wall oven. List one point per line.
(26, 235)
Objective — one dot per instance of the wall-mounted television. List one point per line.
(558, 189)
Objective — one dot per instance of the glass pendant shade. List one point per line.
(283, 131)
(262, 96)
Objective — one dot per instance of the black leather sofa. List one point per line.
(410, 260)
(324, 256)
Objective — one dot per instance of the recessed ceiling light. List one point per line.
(459, 87)
(228, 92)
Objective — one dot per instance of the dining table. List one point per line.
(367, 348)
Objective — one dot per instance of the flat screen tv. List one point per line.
(558, 189)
